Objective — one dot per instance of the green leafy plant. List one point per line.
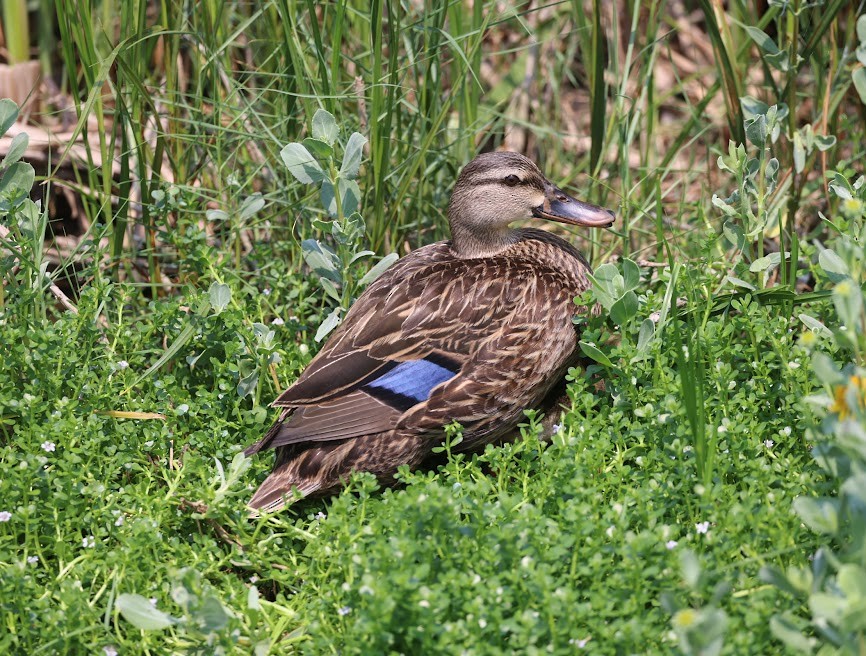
(615, 289)
(22, 222)
(834, 586)
(204, 621)
(700, 629)
(858, 76)
(755, 207)
(313, 161)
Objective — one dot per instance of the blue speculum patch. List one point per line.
(413, 379)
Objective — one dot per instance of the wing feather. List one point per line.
(427, 306)
(353, 415)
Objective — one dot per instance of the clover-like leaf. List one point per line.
(330, 322)
(753, 107)
(624, 308)
(380, 268)
(630, 274)
(756, 130)
(302, 164)
(352, 157)
(734, 234)
(219, 295)
(859, 79)
(251, 206)
(16, 149)
(321, 259)
(833, 265)
(139, 612)
(325, 127)
(821, 515)
(318, 147)
(8, 115)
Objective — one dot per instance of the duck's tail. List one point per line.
(294, 474)
(325, 467)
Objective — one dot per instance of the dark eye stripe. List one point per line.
(530, 181)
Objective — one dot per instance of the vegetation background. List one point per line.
(169, 264)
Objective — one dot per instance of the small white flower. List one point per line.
(526, 561)
(266, 291)
(320, 515)
(671, 544)
(556, 428)
(702, 527)
(345, 610)
(277, 322)
(365, 590)
(580, 644)
(32, 559)
(722, 429)
(793, 365)
(303, 349)
(254, 579)
(109, 650)
(122, 364)
(482, 622)
(119, 521)
(5, 515)
(769, 444)
(88, 542)
(48, 447)
(609, 531)
(785, 432)
(424, 603)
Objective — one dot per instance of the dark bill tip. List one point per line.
(561, 207)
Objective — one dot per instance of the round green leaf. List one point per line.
(219, 295)
(859, 79)
(325, 127)
(16, 148)
(352, 157)
(301, 164)
(833, 265)
(8, 114)
(139, 612)
(821, 515)
(318, 147)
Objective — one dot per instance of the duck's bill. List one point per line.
(565, 209)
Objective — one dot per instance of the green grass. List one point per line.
(644, 523)
(525, 546)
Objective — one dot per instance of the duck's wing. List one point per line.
(405, 337)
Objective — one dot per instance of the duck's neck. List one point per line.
(468, 244)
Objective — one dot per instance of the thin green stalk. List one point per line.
(16, 30)
(730, 81)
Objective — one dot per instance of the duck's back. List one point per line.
(497, 332)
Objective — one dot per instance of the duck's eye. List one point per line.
(511, 180)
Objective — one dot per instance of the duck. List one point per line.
(473, 330)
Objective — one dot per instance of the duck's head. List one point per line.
(497, 189)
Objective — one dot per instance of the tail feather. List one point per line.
(321, 468)
(277, 491)
(264, 443)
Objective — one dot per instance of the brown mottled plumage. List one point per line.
(472, 330)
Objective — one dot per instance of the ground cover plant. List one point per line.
(702, 490)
